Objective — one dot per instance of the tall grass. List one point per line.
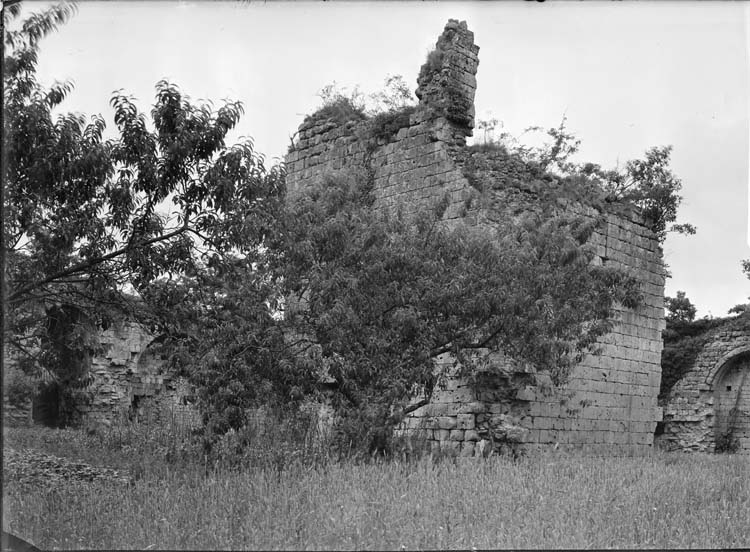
(124, 445)
(664, 501)
(272, 440)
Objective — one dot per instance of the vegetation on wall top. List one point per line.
(646, 186)
(685, 337)
(339, 105)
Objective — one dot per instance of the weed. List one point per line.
(434, 62)
(386, 125)
(727, 442)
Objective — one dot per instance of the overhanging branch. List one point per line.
(82, 267)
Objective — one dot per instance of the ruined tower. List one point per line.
(609, 406)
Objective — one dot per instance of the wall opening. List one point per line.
(45, 408)
(732, 405)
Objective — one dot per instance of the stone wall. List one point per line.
(610, 403)
(415, 167)
(16, 415)
(127, 381)
(609, 406)
(17, 410)
(130, 381)
(699, 406)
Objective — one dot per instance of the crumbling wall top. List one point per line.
(447, 80)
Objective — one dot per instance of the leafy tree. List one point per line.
(372, 300)
(742, 308)
(25, 41)
(221, 329)
(555, 154)
(679, 309)
(384, 296)
(650, 184)
(91, 223)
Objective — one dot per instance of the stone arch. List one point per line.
(697, 410)
(150, 360)
(720, 366)
(731, 401)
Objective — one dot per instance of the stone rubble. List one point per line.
(28, 466)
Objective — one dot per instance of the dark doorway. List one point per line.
(45, 408)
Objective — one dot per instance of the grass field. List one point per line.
(548, 501)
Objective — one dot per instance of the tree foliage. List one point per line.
(384, 296)
(459, 286)
(648, 184)
(679, 308)
(89, 222)
(372, 300)
(743, 307)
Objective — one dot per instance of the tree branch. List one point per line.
(82, 267)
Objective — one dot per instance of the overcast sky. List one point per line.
(628, 76)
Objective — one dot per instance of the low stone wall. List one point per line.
(699, 406)
(15, 415)
(130, 381)
(17, 405)
(610, 403)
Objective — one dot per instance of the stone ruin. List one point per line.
(708, 408)
(127, 381)
(609, 406)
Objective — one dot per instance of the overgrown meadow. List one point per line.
(280, 499)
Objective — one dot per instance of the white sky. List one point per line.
(628, 76)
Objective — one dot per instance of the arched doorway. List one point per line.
(732, 405)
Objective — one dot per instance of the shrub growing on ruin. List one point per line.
(372, 299)
(386, 125)
(727, 442)
(647, 184)
(388, 110)
(385, 295)
(339, 106)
